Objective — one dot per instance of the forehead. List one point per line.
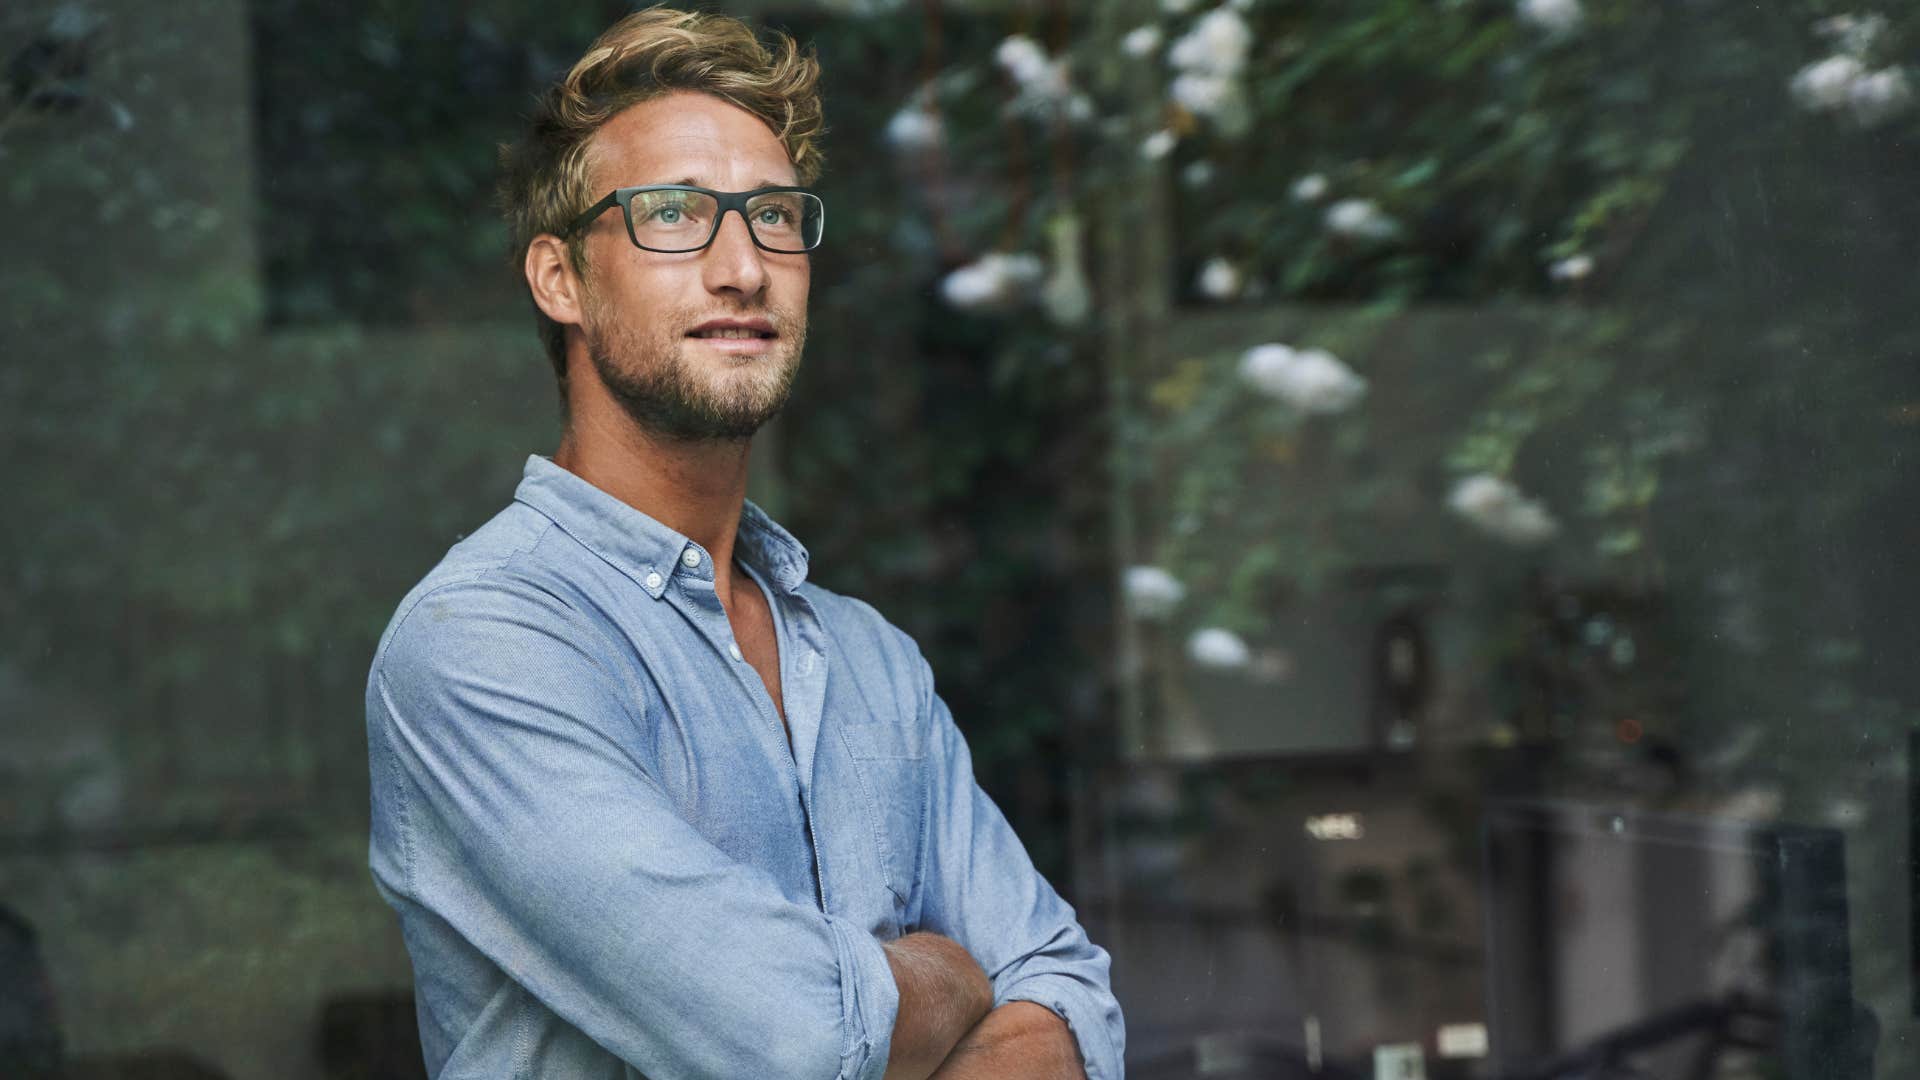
(689, 136)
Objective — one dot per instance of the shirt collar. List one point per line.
(641, 547)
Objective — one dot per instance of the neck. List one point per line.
(693, 488)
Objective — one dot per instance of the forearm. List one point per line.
(1017, 1041)
(943, 996)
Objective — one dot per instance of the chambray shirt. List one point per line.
(609, 861)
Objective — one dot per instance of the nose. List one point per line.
(732, 263)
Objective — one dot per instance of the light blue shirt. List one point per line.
(607, 859)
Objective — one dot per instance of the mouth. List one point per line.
(743, 330)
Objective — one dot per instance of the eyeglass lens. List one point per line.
(684, 220)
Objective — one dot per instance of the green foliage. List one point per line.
(1663, 151)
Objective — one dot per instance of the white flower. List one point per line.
(1360, 219)
(1553, 16)
(1216, 647)
(1207, 61)
(914, 128)
(1499, 509)
(994, 278)
(1571, 268)
(1141, 41)
(1023, 58)
(1042, 81)
(971, 286)
(1218, 280)
(1880, 96)
(1843, 82)
(1158, 145)
(1309, 188)
(1826, 84)
(1203, 95)
(1197, 173)
(1217, 45)
(1854, 34)
(1317, 382)
(1309, 380)
(1263, 366)
(1151, 592)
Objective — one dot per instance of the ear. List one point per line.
(550, 276)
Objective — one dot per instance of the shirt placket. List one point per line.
(803, 694)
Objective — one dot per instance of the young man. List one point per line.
(645, 799)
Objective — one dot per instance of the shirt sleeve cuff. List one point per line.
(869, 1001)
(1090, 1020)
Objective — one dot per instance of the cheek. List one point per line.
(798, 281)
(650, 295)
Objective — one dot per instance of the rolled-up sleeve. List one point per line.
(508, 803)
(980, 888)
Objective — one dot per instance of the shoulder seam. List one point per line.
(475, 574)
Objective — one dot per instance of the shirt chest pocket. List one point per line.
(890, 763)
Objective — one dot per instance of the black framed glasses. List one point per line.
(674, 218)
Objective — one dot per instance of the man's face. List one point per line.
(665, 332)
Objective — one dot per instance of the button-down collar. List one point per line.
(641, 547)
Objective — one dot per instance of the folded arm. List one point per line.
(1017, 1040)
(943, 995)
(1051, 987)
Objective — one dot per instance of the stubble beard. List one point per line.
(671, 394)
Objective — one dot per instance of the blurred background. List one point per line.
(1412, 503)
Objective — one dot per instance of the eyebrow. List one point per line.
(757, 185)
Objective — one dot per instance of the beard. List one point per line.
(675, 396)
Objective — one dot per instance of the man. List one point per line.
(645, 800)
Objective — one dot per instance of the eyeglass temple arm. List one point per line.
(587, 216)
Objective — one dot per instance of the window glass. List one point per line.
(1411, 504)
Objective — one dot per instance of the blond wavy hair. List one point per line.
(546, 173)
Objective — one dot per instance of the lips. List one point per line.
(733, 330)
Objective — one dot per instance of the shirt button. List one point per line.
(690, 557)
(733, 647)
(653, 581)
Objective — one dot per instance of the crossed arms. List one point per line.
(502, 715)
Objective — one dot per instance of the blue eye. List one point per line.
(669, 209)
